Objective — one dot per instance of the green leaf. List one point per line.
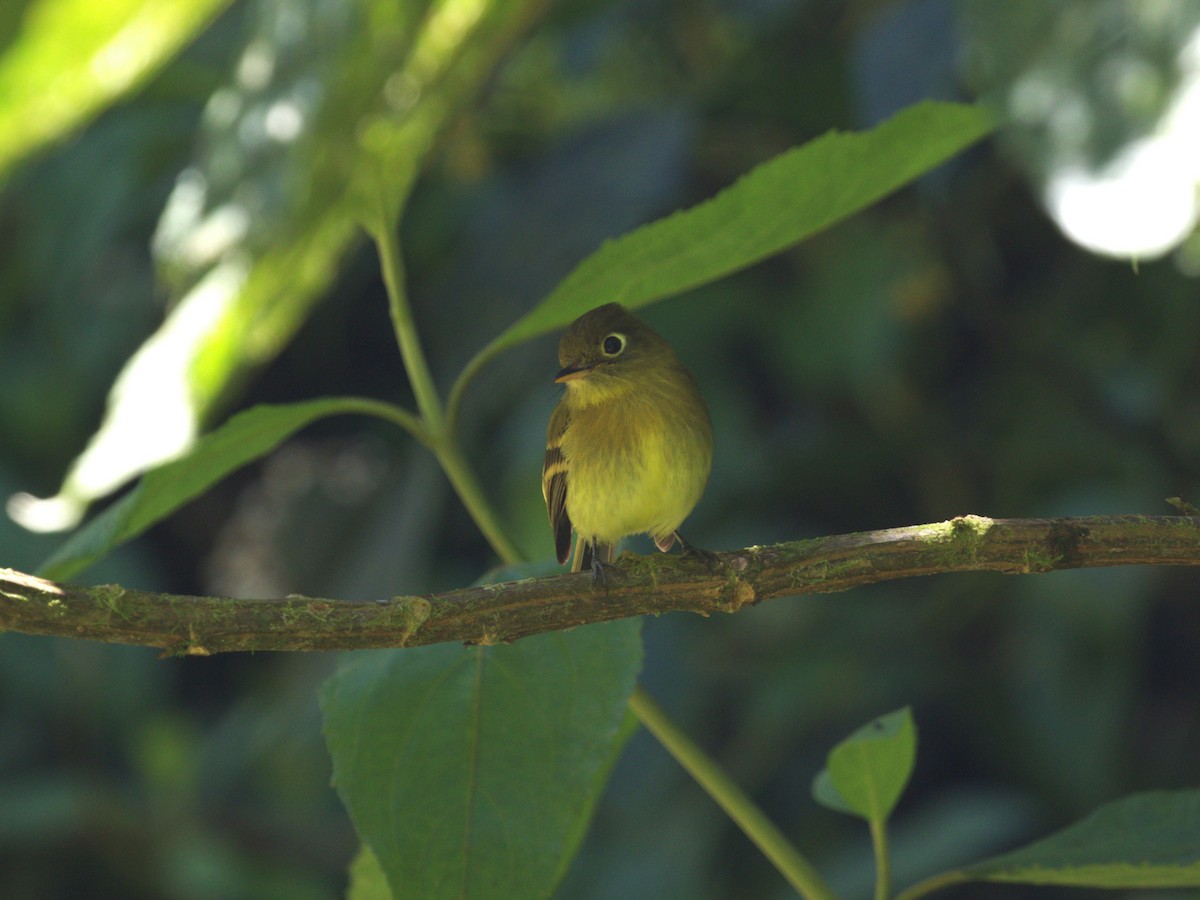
(774, 206)
(243, 439)
(472, 772)
(866, 773)
(74, 57)
(1144, 840)
(367, 881)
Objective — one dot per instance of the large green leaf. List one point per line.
(868, 771)
(244, 438)
(1144, 840)
(74, 57)
(778, 204)
(472, 772)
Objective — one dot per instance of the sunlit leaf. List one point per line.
(74, 57)
(866, 773)
(254, 232)
(472, 772)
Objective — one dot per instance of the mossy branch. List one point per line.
(656, 584)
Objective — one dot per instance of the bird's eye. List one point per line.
(613, 344)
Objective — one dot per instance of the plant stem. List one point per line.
(384, 231)
(465, 377)
(795, 868)
(438, 436)
(883, 868)
(389, 412)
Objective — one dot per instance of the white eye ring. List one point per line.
(613, 344)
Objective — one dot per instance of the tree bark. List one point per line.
(495, 613)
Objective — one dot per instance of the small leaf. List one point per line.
(472, 772)
(1144, 840)
(774, 206)
(866, 773)
(244, 438)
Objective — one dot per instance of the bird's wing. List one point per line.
(554, 483)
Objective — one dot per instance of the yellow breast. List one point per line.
(637, 463)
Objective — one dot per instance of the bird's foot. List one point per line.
(600, 571)
(709, 558)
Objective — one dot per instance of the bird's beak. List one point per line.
(570, 373)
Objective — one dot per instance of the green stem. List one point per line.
(384, 230)
(795, 868)
(389, 412)
(883, 869)
(459, 388)
(432, 427)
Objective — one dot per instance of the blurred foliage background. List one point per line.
(963, 347)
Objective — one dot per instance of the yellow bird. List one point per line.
(629, 446)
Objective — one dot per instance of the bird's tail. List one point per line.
(586, 551)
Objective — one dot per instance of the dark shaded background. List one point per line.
(947, 352)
